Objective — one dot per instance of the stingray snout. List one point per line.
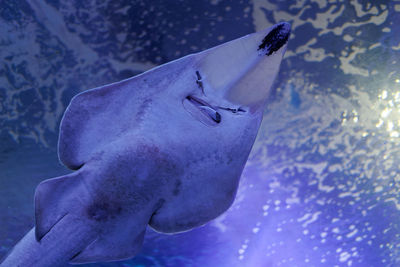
(241, 72)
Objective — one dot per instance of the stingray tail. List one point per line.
(56, 248)
(63, 234)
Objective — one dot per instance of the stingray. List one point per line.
(164, 149)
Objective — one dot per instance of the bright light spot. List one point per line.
(344, 256)
(390, 126)
(394, 134)
(397, 97)
(386, 112)
(378, 188)
(379, 124)
(384, 94)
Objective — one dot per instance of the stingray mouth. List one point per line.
(202, 111)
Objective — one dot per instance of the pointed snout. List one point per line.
(242, 71)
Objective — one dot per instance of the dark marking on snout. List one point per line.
(275, 39)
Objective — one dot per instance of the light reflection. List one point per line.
(384, 94)
(349, 116)
(397, 97)
(390, 126)
(379, 124)
(386, 112)
(390, 115)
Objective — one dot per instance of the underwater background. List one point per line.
(322, 184)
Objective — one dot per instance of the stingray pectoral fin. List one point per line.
(95, 117)
(81, 130)
(49, 209)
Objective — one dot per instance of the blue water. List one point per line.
(322, 185)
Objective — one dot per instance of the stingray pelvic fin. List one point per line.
(105, 248)
(48, 209)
